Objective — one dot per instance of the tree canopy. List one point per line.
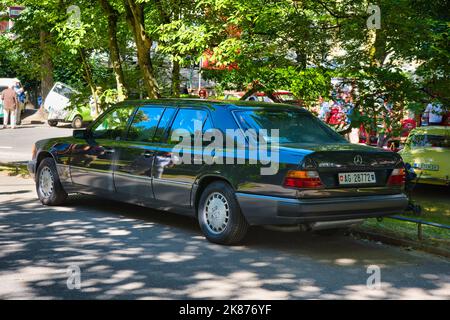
(137, 47)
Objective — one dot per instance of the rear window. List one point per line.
(295, 126)
(429, 141)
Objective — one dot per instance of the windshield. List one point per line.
(63, 90)
(427, 141)
(295, 126)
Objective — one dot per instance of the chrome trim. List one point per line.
(272, 198)
(167, 181)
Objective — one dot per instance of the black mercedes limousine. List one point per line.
(228, 164)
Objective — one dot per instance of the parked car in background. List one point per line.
(281, 96)
(427, 150)
(59, 108)
(128, 154)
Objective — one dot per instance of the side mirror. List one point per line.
(80, 134)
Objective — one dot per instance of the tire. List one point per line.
(227, 226)
(48, 185)
(52, 123)
(77, 122)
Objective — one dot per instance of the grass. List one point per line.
(435, 203)
(13, 169)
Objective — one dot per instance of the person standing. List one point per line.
(10, 105)
(20, 92)
(434, 113)
(324, 109)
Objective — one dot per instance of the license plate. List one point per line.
(426, 166)
(357, 178)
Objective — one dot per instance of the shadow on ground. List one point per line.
(130, 252)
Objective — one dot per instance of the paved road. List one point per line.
(129, 252)
(15, 145)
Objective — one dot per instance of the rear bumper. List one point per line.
(31, 166)
(261, 209)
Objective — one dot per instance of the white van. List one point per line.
(56, 102)
(57, 105)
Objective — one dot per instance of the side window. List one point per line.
(144, 124)
(112, 125)
(163, 123)
(207, 125)
(187, 119)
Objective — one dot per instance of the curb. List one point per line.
(401, 242)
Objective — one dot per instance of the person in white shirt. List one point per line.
(324, 109)
(434, 111)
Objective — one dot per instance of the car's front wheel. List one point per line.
(48, 185)
(219, 215)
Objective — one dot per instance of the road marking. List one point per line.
(5, 147)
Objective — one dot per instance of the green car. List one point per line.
(428, 150)
(77, 117)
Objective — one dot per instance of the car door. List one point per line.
(92, 159)
(172, 181)
(135, 155)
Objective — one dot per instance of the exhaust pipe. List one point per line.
(323, 225)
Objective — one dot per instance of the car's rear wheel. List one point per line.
(52, 123)
(48, 185)
(77, 122)
(219, 215)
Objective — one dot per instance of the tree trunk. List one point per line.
(112, 16)
(176, 79)
(46, 65)
(89, 80)
(166, 17)
(135, 17)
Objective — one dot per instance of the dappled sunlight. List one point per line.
(174, 257)
(345, 262)
(131, 252)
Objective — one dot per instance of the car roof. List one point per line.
(436, 130)
(229, 104)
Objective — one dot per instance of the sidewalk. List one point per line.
(16, 145)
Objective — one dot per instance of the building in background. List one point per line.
(7, 18)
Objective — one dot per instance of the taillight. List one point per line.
(397, 177)
(302, 179)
